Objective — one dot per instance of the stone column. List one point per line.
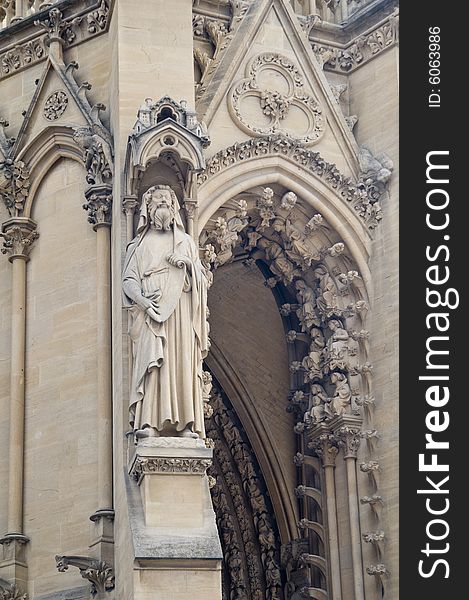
(129, 205)
(325, 446)
(99, 203)
(347, 430)
(19, 234)
(190, 206)
(20, 10)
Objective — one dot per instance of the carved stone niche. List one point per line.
(167, 126)
(167, 146)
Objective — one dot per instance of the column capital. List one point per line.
(190, 206)
(99, 205)
(19, 235)
(347, 431)
(129, 204)
(323, 442)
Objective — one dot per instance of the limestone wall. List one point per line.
(374, 98)
(60, 439)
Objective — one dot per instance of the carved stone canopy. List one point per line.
(167, 126)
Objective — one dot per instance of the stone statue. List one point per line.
(337, 346)
(312, 362)
(165, 291)
(340, 403)
(326, 292)
(280, 266)
(296, 246)
(306, 312)
(316, 408)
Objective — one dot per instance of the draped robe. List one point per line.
(166, 387)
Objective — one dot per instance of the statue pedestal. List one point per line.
(177, 550)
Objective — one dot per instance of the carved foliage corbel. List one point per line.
(97, 572)
(11, 592)
(15, 188)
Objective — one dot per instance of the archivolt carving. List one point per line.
(286, 106)
(326, 309)
(364, 196)
(244, 516)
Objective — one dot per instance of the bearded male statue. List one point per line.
(165, 291)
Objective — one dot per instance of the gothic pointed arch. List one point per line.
(324, 301)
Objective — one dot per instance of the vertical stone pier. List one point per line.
(177, 550)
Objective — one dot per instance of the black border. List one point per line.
(423, 129)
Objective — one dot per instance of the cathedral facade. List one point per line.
(199, 299)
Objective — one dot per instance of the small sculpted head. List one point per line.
(160, 207)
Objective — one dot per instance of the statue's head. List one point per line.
(161, 206)
(300, 284)
(278, 224)
(334, 324)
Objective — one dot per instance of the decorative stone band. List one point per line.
(151, 465)
(83, 23)
(359, 51)
(364, 195)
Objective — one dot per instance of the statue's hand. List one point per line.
(148, 304)
(176, 261)
(154, 314)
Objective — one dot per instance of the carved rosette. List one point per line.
(55, 105)
(292, 111)
(162, 465)
(97, 572)
(99, 206)
(19, 235)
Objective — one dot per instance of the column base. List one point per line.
(175, 538)
(13, 566)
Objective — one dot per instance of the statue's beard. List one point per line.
(162, 218)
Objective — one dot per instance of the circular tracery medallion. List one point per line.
(55, 105)
(273, 98)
